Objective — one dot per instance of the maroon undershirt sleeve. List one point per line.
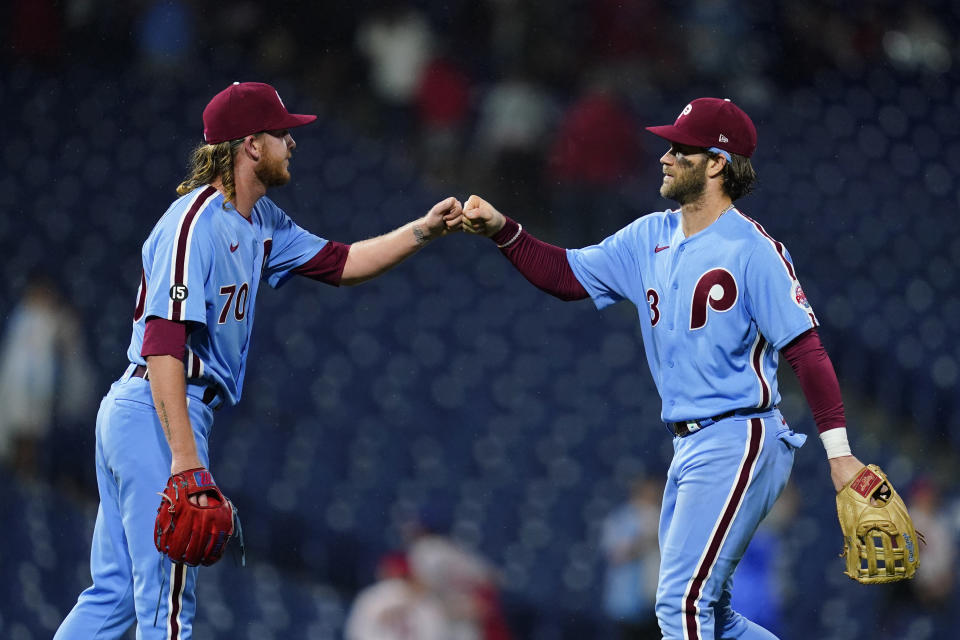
(162, 337)
(810, 362)
(327, 265)
(544, 265)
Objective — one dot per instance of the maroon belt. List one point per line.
(210, 396)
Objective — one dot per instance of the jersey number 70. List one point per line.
(239, 307)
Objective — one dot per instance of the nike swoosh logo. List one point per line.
(658, 248)
(234, 247)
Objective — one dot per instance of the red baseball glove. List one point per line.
(189, 533)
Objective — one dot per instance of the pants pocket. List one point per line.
(791, 438)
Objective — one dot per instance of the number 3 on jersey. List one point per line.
(236, 302)
(653, 298)
(716, 289)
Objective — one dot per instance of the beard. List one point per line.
(272, 173)
(688, 184)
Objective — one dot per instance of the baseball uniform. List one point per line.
(202, 265)
(714, 310)
(716, 306)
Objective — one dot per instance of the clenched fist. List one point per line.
(480, 217)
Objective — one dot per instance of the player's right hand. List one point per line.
(480, 217)
(443, 218)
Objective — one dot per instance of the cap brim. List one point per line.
(672, 133)
(295, 120)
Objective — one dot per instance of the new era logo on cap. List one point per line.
(712, 122)
(245, 108)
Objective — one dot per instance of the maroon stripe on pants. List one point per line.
(180, 258)
(176, 593)
(726, 520)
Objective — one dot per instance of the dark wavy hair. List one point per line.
(738, 175)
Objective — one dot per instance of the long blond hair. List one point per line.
(209, 162)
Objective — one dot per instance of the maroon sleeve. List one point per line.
(544, 265)
(162, 337)
(327, 265)
(818, 380)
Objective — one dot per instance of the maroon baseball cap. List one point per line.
(245, 108)
(712, 122)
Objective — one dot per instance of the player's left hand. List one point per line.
(443, 218)
(843, 469)
(880, 543)
(194, 521)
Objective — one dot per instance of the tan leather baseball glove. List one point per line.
(880, 543)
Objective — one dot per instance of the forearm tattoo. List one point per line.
(164, 419)
(418, 234)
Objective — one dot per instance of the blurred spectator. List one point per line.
(630, 547)
(464, 582)
(934, 585)
(931, 594)
(397, 42)
(443, 105)
(45, 377)
(919, 41)
(506, 156)
(396, 607)
(514, 116)
(596, 148)
(597, 144)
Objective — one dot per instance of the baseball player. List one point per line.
(718, 300)
(202, 267)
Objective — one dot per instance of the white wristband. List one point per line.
(835, 442)
(513, 239)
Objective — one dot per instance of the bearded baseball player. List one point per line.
(719, 300)
(202, 267)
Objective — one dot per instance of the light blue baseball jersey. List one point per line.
(714, 308)
(202, 264)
